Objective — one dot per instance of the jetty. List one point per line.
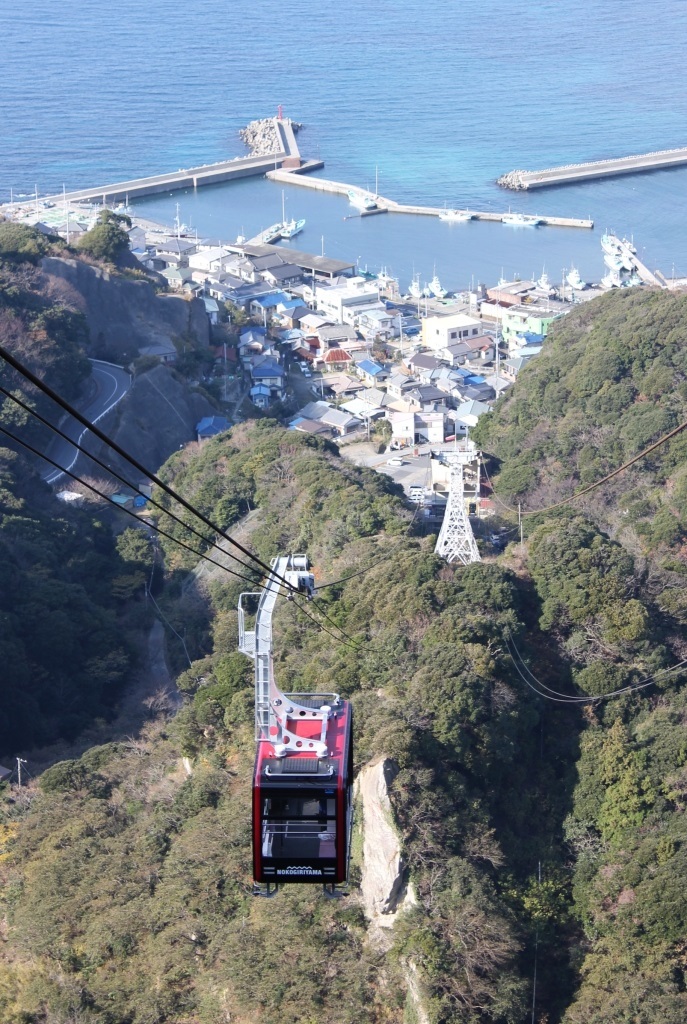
(285, 154)
(571, 173)
(630, 256)
(384, 205)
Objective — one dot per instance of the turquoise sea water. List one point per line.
(441, 97)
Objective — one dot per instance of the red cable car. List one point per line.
(302, 804)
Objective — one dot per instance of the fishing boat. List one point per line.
(455, 216)
(293, 228)
(544, 285)
(614, 261)
(434, 288)
(361, 200)
(520, 220)
(612, 280)
(414, 289)
(575, 281)
(610, 244)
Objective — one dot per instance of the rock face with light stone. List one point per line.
(384, 873)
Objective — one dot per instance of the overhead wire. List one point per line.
(101, 494)
(118, 476)
(573, 699)
(67, 407)
(349, 641)
(597, 483)
(130, 512)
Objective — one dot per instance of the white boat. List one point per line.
(414, 289)
(293, 227)
(614, 261)
(434, 288)
(271, 234)
(611, 280)
(361, 200)
(610, 244)
(544, 285)
(520, 220)
(455, 216)
(575, 281)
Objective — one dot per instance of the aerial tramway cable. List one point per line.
(67, 407)
(101, 494)
(118, 476)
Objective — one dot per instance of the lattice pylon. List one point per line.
(456, 541)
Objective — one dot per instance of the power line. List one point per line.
(67, 407)
(164, 533)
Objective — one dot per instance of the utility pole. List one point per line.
(20, 762)
(520, 525)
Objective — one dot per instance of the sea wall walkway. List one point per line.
(390, 206)
(594, 169)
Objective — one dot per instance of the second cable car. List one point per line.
(302, 805)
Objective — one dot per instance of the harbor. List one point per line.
(572, 173)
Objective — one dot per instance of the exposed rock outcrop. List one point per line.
(124, 315)
(384, 873)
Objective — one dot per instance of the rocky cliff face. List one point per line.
(384, 876)
(124, 315)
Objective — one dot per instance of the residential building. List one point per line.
(371, 372)
(210, 426)
(438, 332)
(530, 319)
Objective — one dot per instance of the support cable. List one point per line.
(67, 407)
(118, 476)
(590, 487)
(105, 497)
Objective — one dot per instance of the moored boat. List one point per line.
(361, 200)
(293, 228)
(455, 216)
(575, 281)
(610, 244)
(434, 288)
(414, 289)
(520, 220)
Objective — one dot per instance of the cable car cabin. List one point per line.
(302, 807)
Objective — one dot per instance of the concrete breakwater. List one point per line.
(286, 177)
(523, 180)
(277, 148)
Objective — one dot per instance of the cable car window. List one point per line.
(299, 826)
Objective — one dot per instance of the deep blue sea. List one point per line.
(441, 97)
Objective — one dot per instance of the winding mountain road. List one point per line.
(111, 384)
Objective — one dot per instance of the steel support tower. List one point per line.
(456, 541)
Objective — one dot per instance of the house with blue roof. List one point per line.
(265, 305)
(371, 372)
(210, 426)
(260, 395)
(270, 375)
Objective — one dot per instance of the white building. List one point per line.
(345, 302)
(211, 261)
(439, 332)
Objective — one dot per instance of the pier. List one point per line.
(571, 173)
(286, 154)
(287, 177)
(647, 276)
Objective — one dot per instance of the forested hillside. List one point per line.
(545, 839)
